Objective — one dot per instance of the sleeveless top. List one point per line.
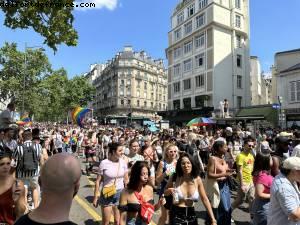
(6, 208)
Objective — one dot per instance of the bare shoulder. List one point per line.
(198, 180)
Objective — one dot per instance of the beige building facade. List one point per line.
(286, 83)
(208, 54)
(132, 84)
(260, 86)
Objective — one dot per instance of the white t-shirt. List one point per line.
(57, 141)
(296, 151)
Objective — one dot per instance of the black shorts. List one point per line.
(74, 148)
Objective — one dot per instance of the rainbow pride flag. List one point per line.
(78, 114)
(25, 120)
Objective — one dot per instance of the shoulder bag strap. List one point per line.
(139, 197)
(117, 172)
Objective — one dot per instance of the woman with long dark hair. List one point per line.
(137, 189)
(262, 181)
(186, 187)
(113, 173)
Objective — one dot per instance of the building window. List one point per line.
(239, 61)
(145, 85)
(159, 97)
(151, 105)
(145, 95)
(200, 41)
(159, 106)
(138, 84)
(187, 84)
(122, 92)
(200, 20)
(128, 91)
(122, 82)
(239, 101)
(199, 101)
(128, 82)
(180, 18)
(187, 103)
(187, 65)
(199, 80)
(191, 10)
(202, 4)
(238, 41)
(152, 96)
(238, 21)
(128, 102)
(138, 103)
(122, 102)
(176, 104)
(176, 87)
(177, 52)
(188, 28)
(177, 34)
(295, 91)
(177, 70)
(188, 47)
(238, 4)
(138, 94)
(145, 104)
(199, 60)
(239, 81)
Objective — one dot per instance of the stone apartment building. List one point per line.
(130, 86)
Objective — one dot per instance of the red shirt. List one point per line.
(6, 208)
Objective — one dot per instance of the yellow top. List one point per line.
(246, 161)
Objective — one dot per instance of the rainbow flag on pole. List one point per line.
(78, 114)
(25, 120)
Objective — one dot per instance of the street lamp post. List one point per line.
(24, 75)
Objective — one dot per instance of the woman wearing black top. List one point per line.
(138, 186)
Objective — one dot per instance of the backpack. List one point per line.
(29, 161)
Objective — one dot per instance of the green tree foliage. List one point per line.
(48, 94)
(21, 72)
(51, 19)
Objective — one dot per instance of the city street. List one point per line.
(83, 212)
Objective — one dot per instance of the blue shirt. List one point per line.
(285, 199)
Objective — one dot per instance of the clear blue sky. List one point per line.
(144, 25)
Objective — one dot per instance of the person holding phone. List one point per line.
(12, 192)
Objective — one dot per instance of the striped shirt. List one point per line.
(18, 156)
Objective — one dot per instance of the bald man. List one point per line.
(60, 178)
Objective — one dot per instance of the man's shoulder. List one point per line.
(25, 220)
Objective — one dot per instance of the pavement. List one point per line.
(84, 213)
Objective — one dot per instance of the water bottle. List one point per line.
(175, 195)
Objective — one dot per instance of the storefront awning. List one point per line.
(267, 113)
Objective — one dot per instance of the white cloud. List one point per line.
(99, 4)
(267, 74)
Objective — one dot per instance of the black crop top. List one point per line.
(133, 207)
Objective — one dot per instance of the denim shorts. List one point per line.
(135, 221)
(111, 201)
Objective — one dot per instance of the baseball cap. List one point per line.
(292, 163)
(229, 129)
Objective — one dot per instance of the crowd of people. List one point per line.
(40, 174)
